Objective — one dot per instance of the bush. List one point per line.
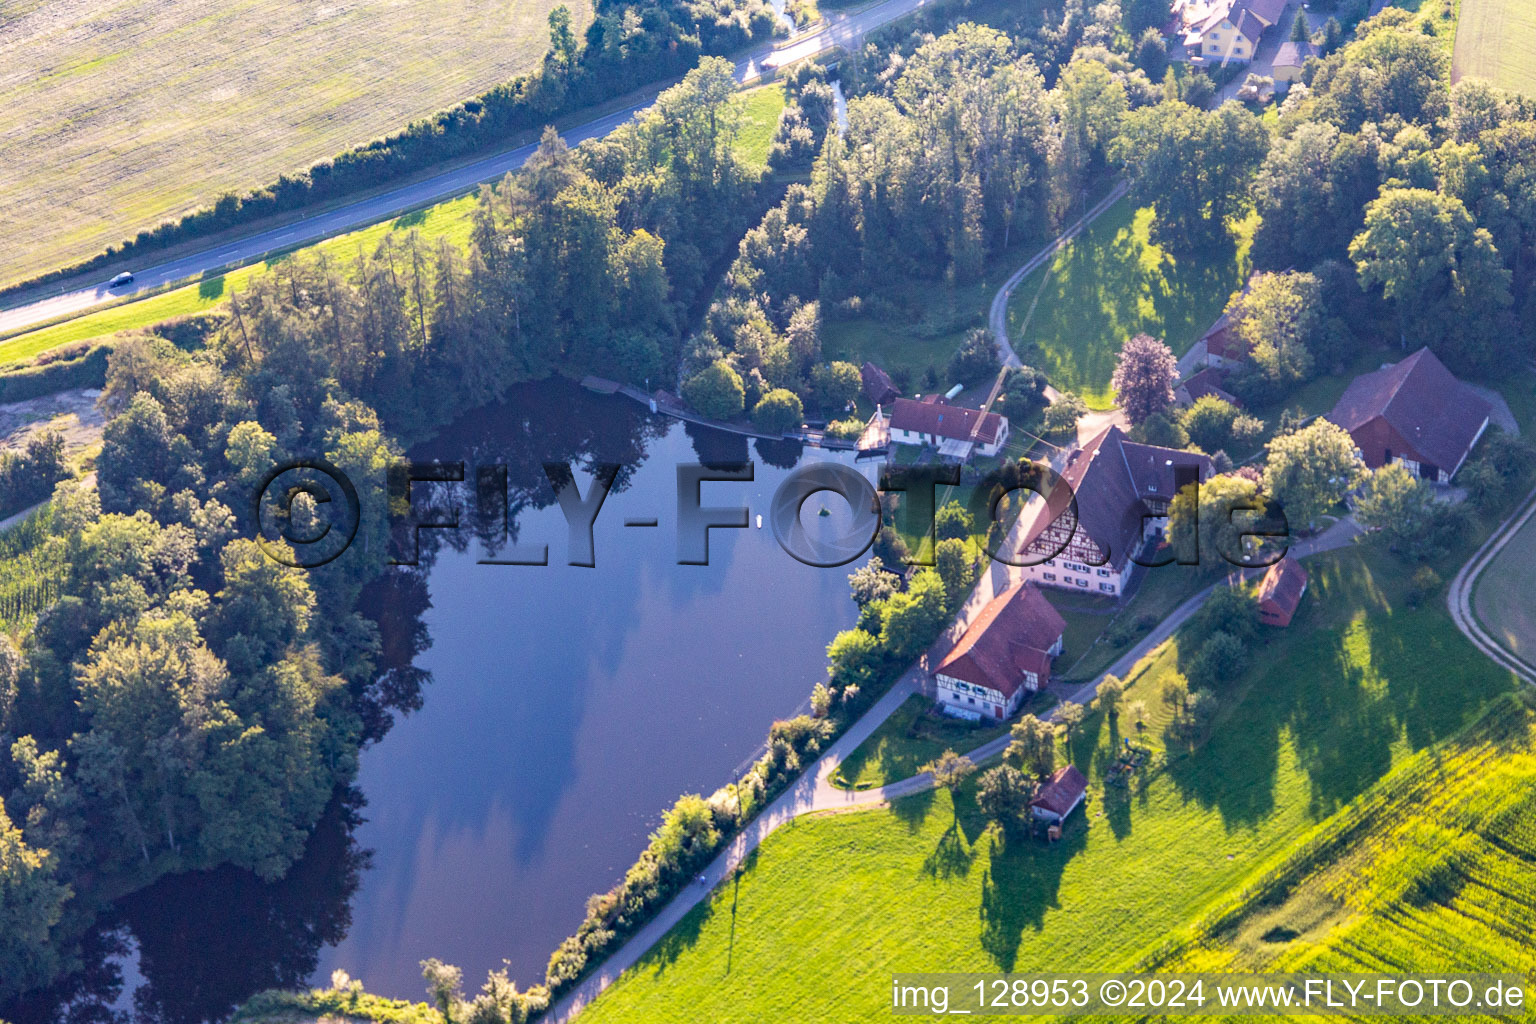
(845, 430)
(778, 411)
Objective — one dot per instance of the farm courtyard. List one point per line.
(116, 116)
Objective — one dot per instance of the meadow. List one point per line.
(450, 219)
(1496, 40)
(1361, 684)
(117, 116)
(1070, 316)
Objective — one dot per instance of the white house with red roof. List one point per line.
(957, 432)
(1004, 654)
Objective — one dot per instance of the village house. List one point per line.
(1226, 31)
(1208, 381)
(1004, 654)
(1290, 59)
(957, 432)
(1281, 591)
(1122, 491)
(1414, 412)
(1060, 796)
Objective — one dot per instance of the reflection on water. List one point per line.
(553, 712)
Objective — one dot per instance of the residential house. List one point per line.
(1225, 349)
(1281, 591)
(957, 432)
(1227, 31)
(1208, 381)
(1004, 654)
(1121, 491)
(878, 386)
(1290, 59)
(1060, 796)
(1414, 412)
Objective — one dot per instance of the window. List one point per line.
(1108, 588)
(1239, 53)
(1082, 583)
(1103, 572)
(1050, 577)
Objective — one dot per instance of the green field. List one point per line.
(117, 115)
(1111, 282)
(1358, 685)
(1503, 600)
(1496, 40)
(450, 219)
(1433, 870)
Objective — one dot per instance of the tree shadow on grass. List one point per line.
(913, 810)
(415, 218)
(210, 288)
(1020, 885)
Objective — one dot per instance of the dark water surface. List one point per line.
(567, 708)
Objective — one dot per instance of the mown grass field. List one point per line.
(813, 926)
(1496, 40)
(1070, 317)
(1434, 869)
(116, 116)
(450, 219)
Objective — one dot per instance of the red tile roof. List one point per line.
(1438, 415)
(934, 416)
(1283, 585)
(1224, 341)
(1062, 792)
(1209, 381)
(1012, 635)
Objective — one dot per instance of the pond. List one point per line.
(567, 707)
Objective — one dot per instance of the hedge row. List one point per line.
(87, 370)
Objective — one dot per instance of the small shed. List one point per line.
(1281, 591)
(1060, 796)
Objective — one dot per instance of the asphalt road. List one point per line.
(838, 30)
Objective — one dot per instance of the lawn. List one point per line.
(1496, 40)
(118, 116)
(450, 219)
(1072, 315)
(906, 741)
(815, 923)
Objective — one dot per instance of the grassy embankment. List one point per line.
(153, 111)
(1111, 282)
(450, 219)
(1361, 683)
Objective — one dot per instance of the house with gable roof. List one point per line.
(1115, 503)
(1004, 654)
(1415, 412)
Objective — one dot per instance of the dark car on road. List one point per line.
(121, 279)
